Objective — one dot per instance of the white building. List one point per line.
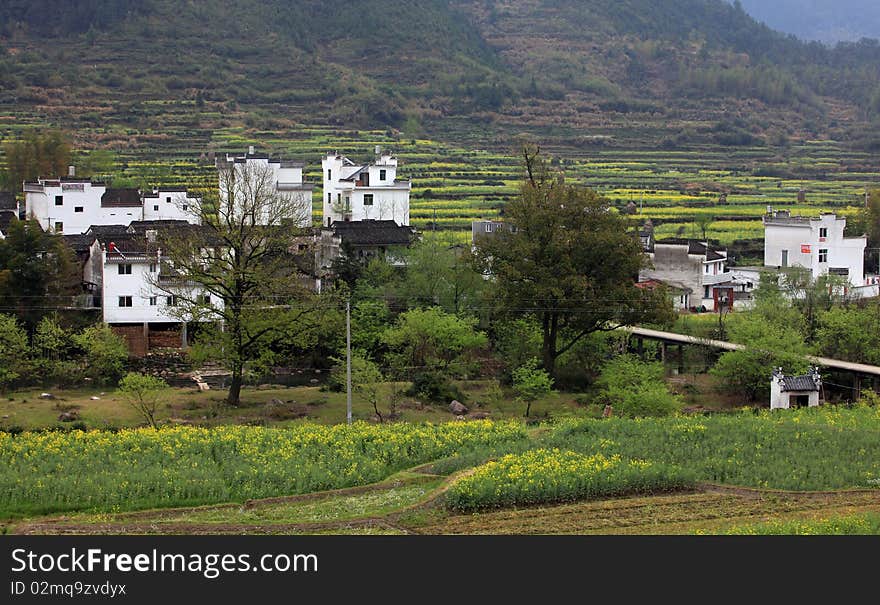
(246, 176)
(815, 243)
(170, 204)
(357, 192)
(696, 268)
(70, 206)
(139, 302)
(794, 391)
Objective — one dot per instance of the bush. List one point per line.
(435, 386)
(13, 350)
(106, 353)
(636, 388)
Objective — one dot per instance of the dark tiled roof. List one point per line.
(141, 226)
(103, 231)
(799, 383)
(127, 197)
(373, 233)
(7, 201)
(80, 242)
(694, 247)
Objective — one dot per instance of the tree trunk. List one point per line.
(234, 395)
(528, 408)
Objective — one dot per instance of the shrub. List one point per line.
(13, 350)
(435, 386)
(106, 353)
(636, 388)
(142, 393)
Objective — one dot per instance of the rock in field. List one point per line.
(457, 408)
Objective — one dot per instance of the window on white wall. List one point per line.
(77, 208)
(823, 255)
(152, 267)
(124, 269)
(368, 199)
(153, 300)
(156, 208)
(823, 232)
(125, 301)
(59, 227)
(59, 200)
(383, 175)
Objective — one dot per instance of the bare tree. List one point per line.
(238, 271)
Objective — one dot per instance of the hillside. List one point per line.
(828, 21)
(631, 72)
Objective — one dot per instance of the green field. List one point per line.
(804, 471)
(454, 184)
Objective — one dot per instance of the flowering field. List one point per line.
(143, 468)
(809, 449)
(861, 524)
(551, 475)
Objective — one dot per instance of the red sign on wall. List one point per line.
(805, 248)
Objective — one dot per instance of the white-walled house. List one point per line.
(815, 243)
(70, 206)
(696, 267)
(794, 391)
(170, 203)
(357, 192)
(139, 301)
(283, 176)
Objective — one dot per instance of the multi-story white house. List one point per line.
(357, 192)
(246, 175)
(140, 296)
(815, 243)
(70, 206)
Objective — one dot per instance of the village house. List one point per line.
(357, 192)
(70, 205)
(365, 239)
(794, 391)
(679, 294)
(817, 244)
(698, 267)
(139, 292)
(286, 177)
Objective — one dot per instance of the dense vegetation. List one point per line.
(551, 66)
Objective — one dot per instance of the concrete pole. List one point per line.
(348, 361)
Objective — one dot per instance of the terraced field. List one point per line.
(454, 184)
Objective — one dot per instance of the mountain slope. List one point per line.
(640, 71)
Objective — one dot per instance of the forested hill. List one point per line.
(639, 70)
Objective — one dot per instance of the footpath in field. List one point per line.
(413, 503)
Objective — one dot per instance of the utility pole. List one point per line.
(348, 360)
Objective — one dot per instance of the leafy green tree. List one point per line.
(241, 255)
(143, 393)
(366, 381)
(636, 388)
(851, 333)
(569, 261)
(369, 319)
(46, 154)
(439, 273)
(13, 350)
(769, 345)
(38, 272)
(530, 383)
(105, 353)
(431, 338)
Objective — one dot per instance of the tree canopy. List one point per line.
(568, 259)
